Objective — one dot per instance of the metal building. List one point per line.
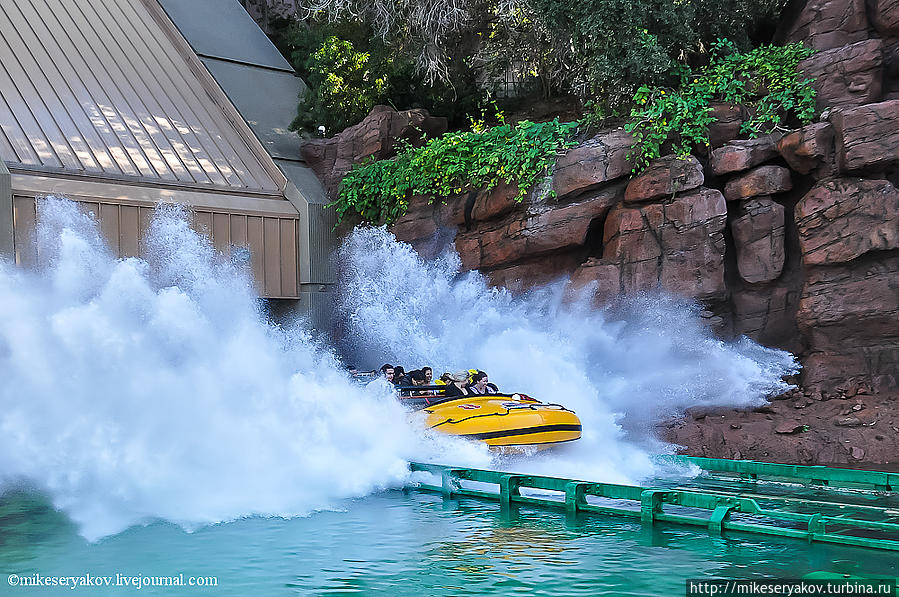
(121, 104)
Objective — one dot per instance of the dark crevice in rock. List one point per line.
(469, 206)
(593, 243)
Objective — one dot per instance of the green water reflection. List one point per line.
(409, 544)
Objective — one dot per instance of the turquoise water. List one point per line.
(409, 544)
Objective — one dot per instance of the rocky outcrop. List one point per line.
(891, 68)
(540, 227)
(374, 137)
(598, 160)
(841, 219)
(665, 177)
(725, 127)
(759, 240)
(792, 240)
(809, 149)
(827, 24)
(867, 137)
(743, 154)
(767, 314)
(849, 307)
(613, 235)
(764, 180)
(847, 76)
(849, 314)
(885, 17)
(677, 245)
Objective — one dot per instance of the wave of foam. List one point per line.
(629, 366)
(155, 388)
(139, 389)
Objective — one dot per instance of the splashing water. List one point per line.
(143, 389)
(627, 367)
(135, 390)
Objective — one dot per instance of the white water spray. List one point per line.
(648, 358)
(135, 390)
(144, 389)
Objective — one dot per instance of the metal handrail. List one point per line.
(717, 510)
(814, 475)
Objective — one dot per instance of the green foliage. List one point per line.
(342, 86)
(340, 73)
(456, 162)
(605, 49)
(444, 55)
(765, 80)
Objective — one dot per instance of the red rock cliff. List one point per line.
(791, 239)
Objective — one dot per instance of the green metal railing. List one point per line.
(751, 470)
(813, 520)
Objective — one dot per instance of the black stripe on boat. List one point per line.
(514, 432)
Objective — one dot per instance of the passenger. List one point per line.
(400, 377)
(429, 375)
(480, 385)
(458, 385)
(444, 379)
(387, 370)
(418, 377)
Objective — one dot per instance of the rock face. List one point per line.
(759, 240)
(665, 177)
(678, 246)
(809, 149)
(849, 308)
(742, 155)
(726, 126)
(601, 159)
(544, 227)
(850, 316)
(885, 16)
(764, 180)
(835, 304)
(867, 137)
(891, 68)
(841, 219)
(848, 75)
(827, 24)
(768, 314)
(375, 137)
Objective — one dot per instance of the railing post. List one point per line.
(816, 525)
(719, 515)
(508, 488)
(575, 495)
(650, 505)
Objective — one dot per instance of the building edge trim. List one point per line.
(7, 244)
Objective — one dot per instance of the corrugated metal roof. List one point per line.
(102, 88)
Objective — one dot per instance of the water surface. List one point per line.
(412, 544)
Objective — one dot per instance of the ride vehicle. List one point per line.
(502, 421)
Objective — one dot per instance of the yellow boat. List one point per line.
(499, 420)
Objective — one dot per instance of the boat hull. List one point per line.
(504, 421)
